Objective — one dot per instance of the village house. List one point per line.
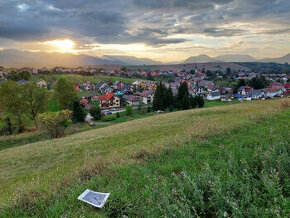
(257, 94)
(86, 103)
(213, 96)
(150, 86)
(132, 100)
(103, 88)
(3, 75)
(118, 85)
(41, 83)
(146, 97)
(244, 90)
(127, 89)
(110, 100)
(88, 86)
(139, 85)
(273, 92)
(206, 83)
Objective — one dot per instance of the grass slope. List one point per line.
(125, 159)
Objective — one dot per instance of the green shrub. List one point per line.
(129, 110)
(109, 117)
(96, 112)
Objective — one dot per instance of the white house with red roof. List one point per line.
(110, 100)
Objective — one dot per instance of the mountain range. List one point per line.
(11, 58)
(17, 58)
(235, 58)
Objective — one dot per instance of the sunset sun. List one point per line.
(61, 45)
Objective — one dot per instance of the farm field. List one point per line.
(206, 162)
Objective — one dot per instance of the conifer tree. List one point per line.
(185, 102)
(78, 112)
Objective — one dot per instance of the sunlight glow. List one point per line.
(62, 45)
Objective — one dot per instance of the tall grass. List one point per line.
(47, 176)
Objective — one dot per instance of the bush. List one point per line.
(96, 113)
(142, 108)
(109, 117)
(55, 122)
(129, 110)
(8, 127)
(118, 115)
(148, 109)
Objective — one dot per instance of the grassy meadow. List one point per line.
(81, 78)
(219, 161)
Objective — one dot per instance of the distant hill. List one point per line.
(235, 58)
(281, 60)
(200, 59)
(130, 60)
(11, 58)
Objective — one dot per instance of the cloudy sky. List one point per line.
(164, 30)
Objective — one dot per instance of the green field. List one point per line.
(80, 78)
(220, 161)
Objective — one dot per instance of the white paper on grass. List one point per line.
(96, 199)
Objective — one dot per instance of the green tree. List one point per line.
(13, 102)
(24, 75)
(168, 97)
(35, 99)
(65, 93)
(149, 76)
(96, 113)
(79, 114)
(55, 122)
(123, 69)
(200, 101)
(185, 102)
(193, 101)
(259, 82)
(13, 76)
(182, 91)
(129, 110)
(158, 100)
(228, 71)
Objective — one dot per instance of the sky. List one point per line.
(163, 30)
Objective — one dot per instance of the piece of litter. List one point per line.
(96, 199)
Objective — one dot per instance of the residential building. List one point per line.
(110, 100)
(41, 83)
(146, 97)
(213, 96)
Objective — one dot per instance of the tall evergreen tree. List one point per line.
(158, 101)
(168, 97)
(193, 101)
(182, 91)
(200, 101)
(185, 102)
(78, 112)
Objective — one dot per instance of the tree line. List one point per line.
(164, 98)
(23, 104)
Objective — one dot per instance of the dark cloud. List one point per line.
(146, 21)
